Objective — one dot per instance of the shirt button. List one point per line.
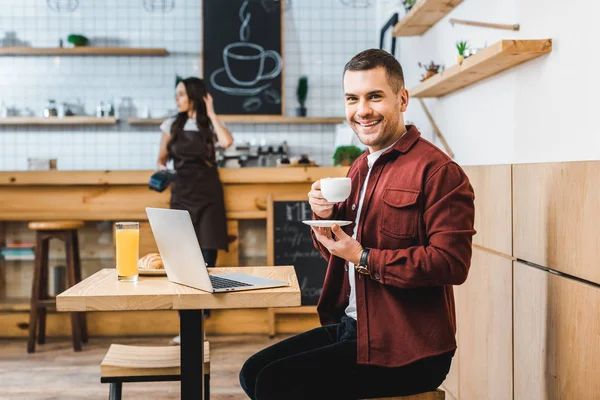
(348, 294)
(346, 267)
(377, 276)
(353, 207)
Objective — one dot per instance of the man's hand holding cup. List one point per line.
(326, 192)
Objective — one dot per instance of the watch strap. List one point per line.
(363, 264)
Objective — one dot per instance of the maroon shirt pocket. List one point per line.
(399, 217)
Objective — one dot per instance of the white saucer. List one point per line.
(225, 85)
(155, 272)
(326, 223)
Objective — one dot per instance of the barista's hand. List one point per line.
(210, 109)
(344, 247)
(318, 204)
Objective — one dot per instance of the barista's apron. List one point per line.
(197, 187)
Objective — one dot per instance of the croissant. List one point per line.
(151, 261)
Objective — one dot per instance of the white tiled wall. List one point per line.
(320, 37)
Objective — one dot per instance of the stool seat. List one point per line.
(125, 363)
(55, 225)
(436, 395)
(125, 360)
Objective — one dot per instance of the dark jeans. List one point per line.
(321, 364)
(210, 256)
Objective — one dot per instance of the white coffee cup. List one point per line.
(336, 190)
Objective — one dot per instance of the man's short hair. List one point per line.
(373, 58)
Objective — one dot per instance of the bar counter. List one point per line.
(124, 195)
(112, 195)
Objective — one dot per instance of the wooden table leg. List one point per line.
(192, 354)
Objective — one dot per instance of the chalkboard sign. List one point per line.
(242, 60)
(291, 244)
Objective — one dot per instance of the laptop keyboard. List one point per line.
(221, 283)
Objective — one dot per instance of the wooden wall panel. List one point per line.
(484, 314)
(556, 214)
(557, 336)
(493, 213)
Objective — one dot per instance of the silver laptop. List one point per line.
(182, 256)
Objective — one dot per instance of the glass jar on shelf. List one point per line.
(51, 109)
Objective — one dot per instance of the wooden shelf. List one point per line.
(485, 63)
(75, 120)
(423, 15)
(81, 51)
(252, 119)
(145, 121)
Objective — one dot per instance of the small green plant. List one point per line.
(345, 155)
(408, 4)
(301, 93)
(461, 47)
(302, 90)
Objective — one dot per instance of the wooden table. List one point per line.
(103, 292)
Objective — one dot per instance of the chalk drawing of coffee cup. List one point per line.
(245, 63)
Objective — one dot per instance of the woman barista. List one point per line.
(189, 140)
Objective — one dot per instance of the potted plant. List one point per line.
(408, 4)
(430, 70)
(461, 47)
(345, 155)
(301, 93)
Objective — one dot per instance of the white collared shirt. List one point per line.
(371, 158)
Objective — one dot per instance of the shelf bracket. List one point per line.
(514, 27)
(436, 129)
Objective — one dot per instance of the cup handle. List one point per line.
(276, 68)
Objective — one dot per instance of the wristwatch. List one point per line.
(363, 264)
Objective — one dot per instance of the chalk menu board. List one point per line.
(293, 245)
(242, 52)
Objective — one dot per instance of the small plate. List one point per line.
(326, 223)
(158, 272)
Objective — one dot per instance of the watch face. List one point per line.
(361, 269)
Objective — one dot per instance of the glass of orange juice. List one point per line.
(128, 249)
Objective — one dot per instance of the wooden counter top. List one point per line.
(228, 175)
(115, 195)
(103, 292)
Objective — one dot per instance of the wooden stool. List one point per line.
(40, 300)
(124, 363)
(437, 395)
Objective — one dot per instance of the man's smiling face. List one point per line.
(373, 108)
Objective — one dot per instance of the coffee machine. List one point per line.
(247, 155)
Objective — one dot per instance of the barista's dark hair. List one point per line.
(196, 91)
(374, 58)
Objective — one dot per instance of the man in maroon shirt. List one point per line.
(387, 306)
